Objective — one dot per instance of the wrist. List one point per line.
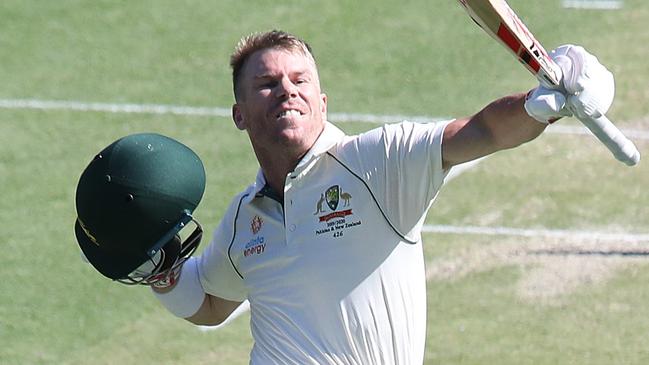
(545, 105)
(164, 286)
(168, 282)
(185, 297)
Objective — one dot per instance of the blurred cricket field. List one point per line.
(534, 256)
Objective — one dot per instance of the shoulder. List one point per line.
(390, 136)
(224, 232)
(235, 205)
(241, 198)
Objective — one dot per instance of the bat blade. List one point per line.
(498, 20)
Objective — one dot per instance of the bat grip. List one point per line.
(622, 148)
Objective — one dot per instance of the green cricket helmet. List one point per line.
(133, 200)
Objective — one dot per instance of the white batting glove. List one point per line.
(546, 105)
(587, 88)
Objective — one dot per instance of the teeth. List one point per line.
(287, 113)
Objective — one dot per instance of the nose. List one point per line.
(286, 89)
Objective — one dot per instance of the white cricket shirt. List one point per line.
(335, 274)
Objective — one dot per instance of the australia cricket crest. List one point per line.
(332, 196)
(335, 221)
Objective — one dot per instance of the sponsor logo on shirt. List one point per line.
(255, 224)
(256, 245)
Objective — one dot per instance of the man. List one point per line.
(326, 243)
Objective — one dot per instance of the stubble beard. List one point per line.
(291, 142)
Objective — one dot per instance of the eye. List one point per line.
(268, 84)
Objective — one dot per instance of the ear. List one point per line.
(323, 106)
(237, 117)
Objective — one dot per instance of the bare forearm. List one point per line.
(213, 311)
(186, 298)
(502, 124)
(508, 123)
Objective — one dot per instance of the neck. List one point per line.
(277, 159)
(277, 166)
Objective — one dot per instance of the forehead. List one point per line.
(273, 61)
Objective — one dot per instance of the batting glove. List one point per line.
(587, 88)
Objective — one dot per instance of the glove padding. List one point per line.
(587, 88)
(546, 105)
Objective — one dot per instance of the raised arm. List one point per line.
(586, 86)
(502, 124)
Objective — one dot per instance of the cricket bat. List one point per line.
(499, 21)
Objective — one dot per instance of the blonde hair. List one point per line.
(258, 41)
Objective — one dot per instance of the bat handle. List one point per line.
(622, 148)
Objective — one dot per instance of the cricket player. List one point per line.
(326, 243)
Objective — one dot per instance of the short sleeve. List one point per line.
(402, 165)
(217, 273)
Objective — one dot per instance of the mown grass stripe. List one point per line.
(525, 232)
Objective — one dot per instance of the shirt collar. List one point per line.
(260, 182)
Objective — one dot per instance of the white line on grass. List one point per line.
(593, 4)
(225, 113)
(581, 130)
(112, 108)
(187, 110)
(551, 233)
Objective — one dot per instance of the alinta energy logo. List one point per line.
(255, 224)
(339, 203)
(256, 245)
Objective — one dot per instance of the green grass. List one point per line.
(177, 52)
(413, 57)
(557, 181)
(478, 321)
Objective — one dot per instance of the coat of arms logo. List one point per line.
(332, 196)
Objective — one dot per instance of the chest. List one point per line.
(330, 230)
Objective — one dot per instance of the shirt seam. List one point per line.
(234, 235)
(403, 237)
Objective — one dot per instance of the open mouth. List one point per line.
(288, 113)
